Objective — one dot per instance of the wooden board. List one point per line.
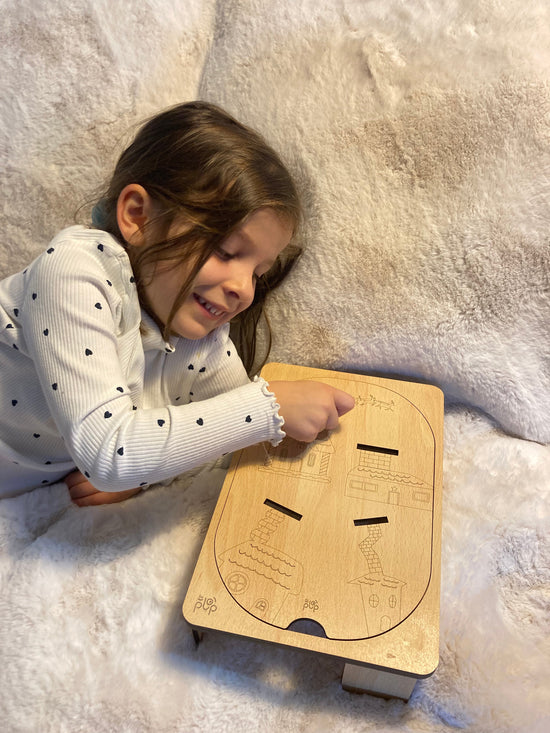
(334, 546)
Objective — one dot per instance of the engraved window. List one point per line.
(374, 600)
(362, 485)
(421, 496)
(392, 601)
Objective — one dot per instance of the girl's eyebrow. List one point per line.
(243, 235)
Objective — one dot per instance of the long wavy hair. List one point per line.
(202, 167)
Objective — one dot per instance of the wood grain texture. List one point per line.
(334, 546)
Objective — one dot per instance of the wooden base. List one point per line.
(376, 682)
(334, 546)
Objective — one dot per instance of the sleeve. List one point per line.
(72, 322)
(223, 369)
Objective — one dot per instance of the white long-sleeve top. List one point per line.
(87, 381)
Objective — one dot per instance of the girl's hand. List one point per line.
(308, 408)
(83, 493)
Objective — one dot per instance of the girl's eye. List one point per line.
(223, 255)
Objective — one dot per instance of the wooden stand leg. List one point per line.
(383, 684)
(197, 636)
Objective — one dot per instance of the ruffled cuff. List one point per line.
(278, 420)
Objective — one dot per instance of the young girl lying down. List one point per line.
(116, 365)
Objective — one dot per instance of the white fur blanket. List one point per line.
(419, 133)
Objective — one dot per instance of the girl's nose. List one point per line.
(242, 285)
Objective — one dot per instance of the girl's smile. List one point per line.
(209, 307)
(226, 283)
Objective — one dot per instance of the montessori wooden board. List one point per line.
(334, 546)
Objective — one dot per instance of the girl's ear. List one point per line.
(134, 209)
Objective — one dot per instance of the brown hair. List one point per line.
(201, 166)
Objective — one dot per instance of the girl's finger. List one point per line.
(105, 497)
(81, 490)
(74, 478)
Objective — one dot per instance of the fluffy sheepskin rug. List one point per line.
(418, 131)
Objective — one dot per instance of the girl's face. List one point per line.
(226, 283)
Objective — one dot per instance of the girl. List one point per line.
(115, 354)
